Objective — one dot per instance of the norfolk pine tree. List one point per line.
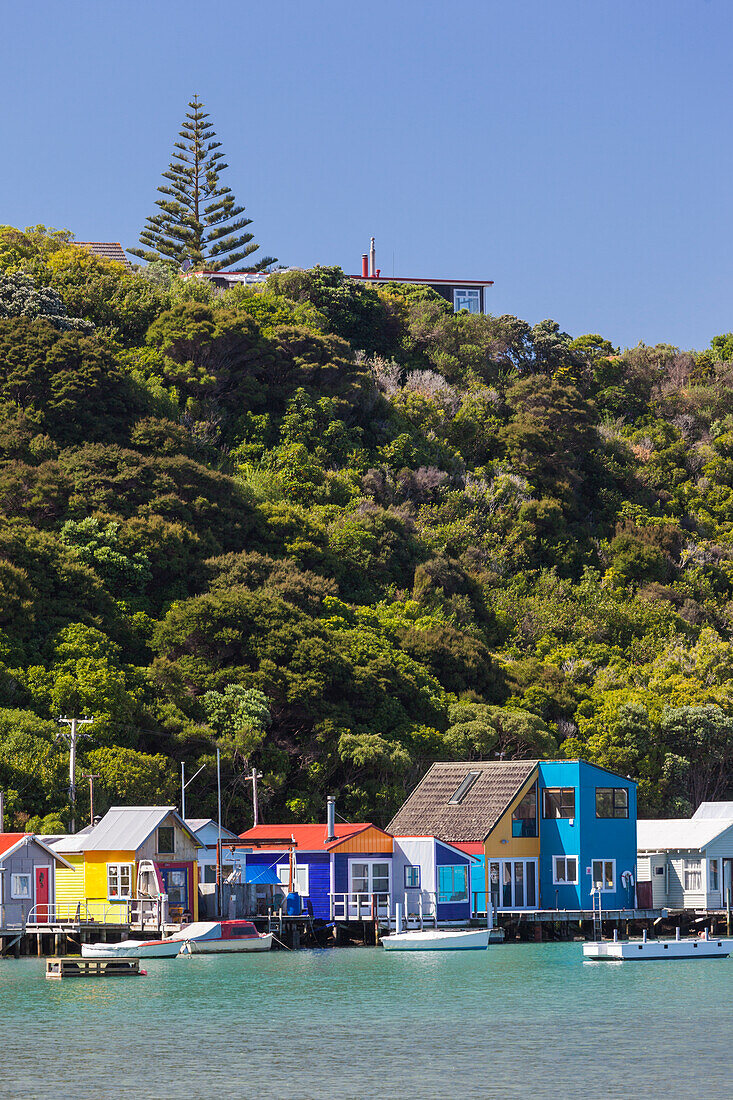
(198, 218)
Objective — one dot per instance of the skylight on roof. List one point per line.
(463, 788)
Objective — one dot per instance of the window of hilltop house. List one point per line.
(558, 802)
(166, 840)
(612, 802)
(119, 881)
(20, 887)
(468, 299)
(713, 880)
(452, 884)
(565, 871)
(693, 874)
(412, 878)
(604, 874)
(524, 817)
(463, 788)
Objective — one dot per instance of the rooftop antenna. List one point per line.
(255, 802)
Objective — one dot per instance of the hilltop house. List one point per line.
(27, 878)
(688, 861)
(546, 832)
(138, 863)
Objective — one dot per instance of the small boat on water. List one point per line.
(235, 935)
(438, 939)
(224, 936)
(701, 947)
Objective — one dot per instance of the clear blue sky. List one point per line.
(578, 152)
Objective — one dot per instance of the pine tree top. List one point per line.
(198, 218)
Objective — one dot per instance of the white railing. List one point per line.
(148, 911)
(50, 912)
(364, 907)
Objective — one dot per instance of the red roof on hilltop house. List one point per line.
(9, 840)
(309, 838)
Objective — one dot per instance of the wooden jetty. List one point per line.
(93, 968)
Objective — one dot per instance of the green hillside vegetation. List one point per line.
(342, 532)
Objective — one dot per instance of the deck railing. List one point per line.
(363, 907)
(50, 912)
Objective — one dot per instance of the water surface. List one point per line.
(517, 1020)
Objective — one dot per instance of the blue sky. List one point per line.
(578, 152)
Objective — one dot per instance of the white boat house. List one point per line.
(688, 861)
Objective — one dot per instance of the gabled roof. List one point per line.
(308, 838)
(10, 842)
(713, 811)
(429, 812)
(195, 824)
(679, 834)
(107, 250)
(123, 829)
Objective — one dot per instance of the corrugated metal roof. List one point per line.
(122, 829)
(429, 812)
(707, 811)
(678, 834)
(308, 838)
(11, 840)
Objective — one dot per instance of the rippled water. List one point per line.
(517, 1020)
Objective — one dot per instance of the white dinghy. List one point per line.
(438, 939)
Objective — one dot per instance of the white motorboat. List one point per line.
(133, 949)
(438, 939)
(701, 947)
(223, 936)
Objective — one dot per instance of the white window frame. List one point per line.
(413, 867)
(565, 881)
(713, 889)
(370, 863)
(526, 860)
(471, 292)
(21, 896)
(118, 869)
(604, 889)
(301, 882)
(692, 867)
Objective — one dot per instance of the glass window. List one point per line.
(565, 870)
(465, 298)
(452, 884)
(360, 878)
(494, 883)
(612, 802)
(119, 881)
(380, 878)
(531, 898)
(166, 840)
(519, 885)
(463, 789)
(20, 887)
(558, 802)
(524, 817)
(507, 886)
(693, 874)
(604, 874)
(412, 878)
(301, 878)
(713, 874)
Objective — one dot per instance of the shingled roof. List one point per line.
(429, 812)
(107, 250)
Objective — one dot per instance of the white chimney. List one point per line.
(372, 259)
(331, 817)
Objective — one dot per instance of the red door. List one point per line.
(42, 894)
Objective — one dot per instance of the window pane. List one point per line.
(494, 883)
(524, 817)
(412, 878)
(359, 878)
(463, 788)
(608, 875)
(531, 887)
(380, 878)
(166, 835)
(507, 891)
(559, 869)
(620, 802)
(604, 802)
(571, 865)
(519, 885)
(558, 802)
(597, 872)
(460, 884)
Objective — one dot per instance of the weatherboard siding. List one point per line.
(371, 841)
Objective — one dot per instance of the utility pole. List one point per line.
(218, 846)
(91, 777)
(253, 780)
(73, 736)
(2, 812)
(184, 784)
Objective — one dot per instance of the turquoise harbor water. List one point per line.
(517, 1020)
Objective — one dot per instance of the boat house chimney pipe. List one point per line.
(365, 266)
(331, 817)
(372, 259)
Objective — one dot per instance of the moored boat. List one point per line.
(133, 949)
(701, 947)
(225, 936)
(438, 939)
